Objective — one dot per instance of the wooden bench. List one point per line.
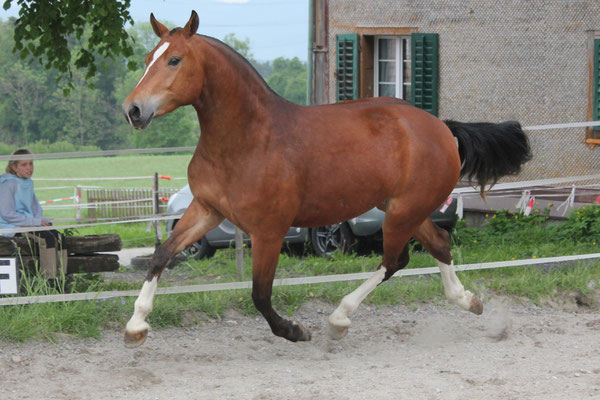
(85, 252)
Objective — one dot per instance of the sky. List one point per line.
(276, 28)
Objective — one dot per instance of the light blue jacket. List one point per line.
(18, 204)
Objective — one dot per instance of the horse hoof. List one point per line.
(337, 332)
(135, 339)
(303, 333)
(476, 306)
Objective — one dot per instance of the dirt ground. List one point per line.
(512, 351)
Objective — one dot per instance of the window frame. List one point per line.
(400, 60)
(367, 36)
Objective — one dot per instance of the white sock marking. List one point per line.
(143, 307)
(159, 52)
(351, 301)
(455, 291)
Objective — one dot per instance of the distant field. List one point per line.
(102, 167)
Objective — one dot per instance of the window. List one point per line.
(392, 71)
(394, 62)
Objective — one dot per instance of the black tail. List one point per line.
(490, 151)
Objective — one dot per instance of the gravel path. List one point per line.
(512, 351)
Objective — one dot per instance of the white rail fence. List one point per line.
(527, 189)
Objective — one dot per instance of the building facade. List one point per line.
(535, 61)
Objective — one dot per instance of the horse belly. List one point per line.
(335, 197)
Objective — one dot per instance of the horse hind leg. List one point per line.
(395, 257)
(437, 241)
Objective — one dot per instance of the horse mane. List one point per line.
(229, 50)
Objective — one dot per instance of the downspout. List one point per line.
(318, 85)
(310, 63)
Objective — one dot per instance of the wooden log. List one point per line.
(81, 263)
(7, 246)
(93, 243)
(74, 244)
(93, 263)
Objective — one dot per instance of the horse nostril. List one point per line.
(134, 113)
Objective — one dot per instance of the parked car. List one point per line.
(366, 230)
(324, 240)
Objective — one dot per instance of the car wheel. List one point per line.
(327, 239)
(199, 250)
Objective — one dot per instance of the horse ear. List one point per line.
(192, 25)
(158, 28)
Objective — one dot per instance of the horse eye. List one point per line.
(174, 61)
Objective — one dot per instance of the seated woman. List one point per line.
(19, 207)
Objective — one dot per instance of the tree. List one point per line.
(265, 68)
(84, 116)
(45, 28)
(241, 46)
(26, 89)
(145, 39)
(289, 79)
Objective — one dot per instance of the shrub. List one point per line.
(582, 225)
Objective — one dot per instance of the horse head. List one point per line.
(171, 78)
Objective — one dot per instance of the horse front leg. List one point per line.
(195, 222)
(265, 253)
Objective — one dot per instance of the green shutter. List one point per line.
(425, 71)
(347, 67)
(596, 97)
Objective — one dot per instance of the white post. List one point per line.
(239, 252)
(78, 201)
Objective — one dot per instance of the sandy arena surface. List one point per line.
(512, 351)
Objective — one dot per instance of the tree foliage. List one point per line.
(289, 79)
(34, 111)
(45, 30)
(239, 45)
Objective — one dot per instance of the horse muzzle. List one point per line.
(137, 116)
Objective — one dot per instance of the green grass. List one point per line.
(118, 166)
(90, 318)
(506, 236)
(132, 234)
(101, 167)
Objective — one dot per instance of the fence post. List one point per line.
(239, 252)
(155, 209)
(78, 201)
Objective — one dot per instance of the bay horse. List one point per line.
(267, 164)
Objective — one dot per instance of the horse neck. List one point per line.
(234, 97)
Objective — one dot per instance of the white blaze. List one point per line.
(159, 52)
